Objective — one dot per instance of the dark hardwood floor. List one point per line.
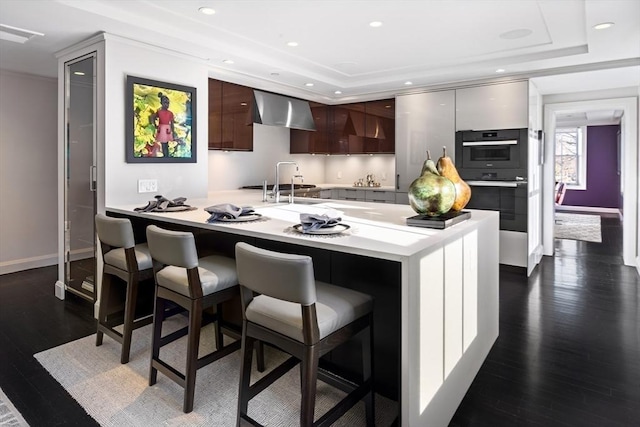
(568, 353)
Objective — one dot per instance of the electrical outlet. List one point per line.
(147, 185)
(339, 174)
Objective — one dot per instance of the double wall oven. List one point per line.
(494, 164)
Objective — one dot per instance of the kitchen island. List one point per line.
(436, 291)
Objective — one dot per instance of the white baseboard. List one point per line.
(84, 253)
(563, 208)
(59, 291)
(28, 263)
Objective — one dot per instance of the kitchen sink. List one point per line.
(282, 187)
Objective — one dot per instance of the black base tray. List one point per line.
(441, 221)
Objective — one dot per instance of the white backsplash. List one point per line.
(348, 169)
(234, 169)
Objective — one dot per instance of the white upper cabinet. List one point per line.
(496, 106)
(424, 121)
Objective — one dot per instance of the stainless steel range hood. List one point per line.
(277, 110)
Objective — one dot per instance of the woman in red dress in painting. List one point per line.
(163, 121)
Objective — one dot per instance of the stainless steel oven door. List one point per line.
(507, 197)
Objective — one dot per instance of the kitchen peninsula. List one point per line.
(436, 291)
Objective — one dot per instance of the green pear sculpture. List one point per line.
(431, 193)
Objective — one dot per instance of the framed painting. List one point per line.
(160, 122)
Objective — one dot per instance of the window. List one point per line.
(571, 157)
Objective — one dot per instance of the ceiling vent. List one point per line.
(17, 35)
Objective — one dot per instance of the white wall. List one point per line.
(28, 171)
(233, 169)
(124, 57)
(534, 176)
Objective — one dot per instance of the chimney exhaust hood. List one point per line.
(277, 110)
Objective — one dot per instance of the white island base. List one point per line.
(446, 309)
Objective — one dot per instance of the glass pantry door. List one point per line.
(80, 168)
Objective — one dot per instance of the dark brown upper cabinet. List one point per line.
(230, 116)
(363, 127)
(380, 122)
(304, 141)
(358, 128)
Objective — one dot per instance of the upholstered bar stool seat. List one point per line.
(131, 263)
(285, 306)
(216, 273)
(194, 284)
(336, 307)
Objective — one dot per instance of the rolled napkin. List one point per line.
(228, 211)
(162, 204)
(312, 222)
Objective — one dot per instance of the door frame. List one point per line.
(94, 44)
(629, 175)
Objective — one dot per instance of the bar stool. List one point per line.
(194, 285)
(305, 318)
(129, 262)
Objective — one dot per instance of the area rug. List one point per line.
(9, 415)
(119, 395)
(578, 227)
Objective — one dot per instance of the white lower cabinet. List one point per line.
(351, 194)
(380, 196)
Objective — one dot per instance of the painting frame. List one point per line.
(160, 122)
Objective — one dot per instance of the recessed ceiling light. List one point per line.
(292, 44)
(603, 25)
(387, 106)
(308, 84)
(78, 73)
(408, 83)
(206, 11)
(338, 92)
(500, 70)
(375, 24)
(243, 104)
(228, 61)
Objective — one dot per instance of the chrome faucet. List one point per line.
(291, 195)
(276, 186)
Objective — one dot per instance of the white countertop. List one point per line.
(376, 229)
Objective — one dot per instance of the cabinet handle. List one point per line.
(397, 181)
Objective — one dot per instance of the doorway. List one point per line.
(628, 168)
(80, 177)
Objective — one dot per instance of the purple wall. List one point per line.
(603, 181)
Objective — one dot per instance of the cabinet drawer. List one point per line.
(351, 194)
(380, 196)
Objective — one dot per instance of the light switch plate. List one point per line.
(147, 185)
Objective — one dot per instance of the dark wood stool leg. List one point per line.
(308, 380)
(245, 374)
(103, 310)
(367, 372)
(195, 322)
(129, 317)
(259, 346)
(217, 328)
(158, 317)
